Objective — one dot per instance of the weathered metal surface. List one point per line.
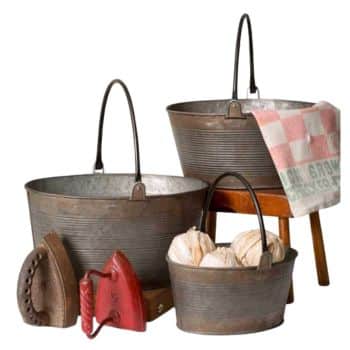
(213, 137)
(94, 216)
(230, 301)
(210, 141)
(99, 213)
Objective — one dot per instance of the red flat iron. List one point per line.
(119, 301)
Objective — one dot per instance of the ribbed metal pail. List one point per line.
(233, 300)
(217, 136)
(98, 213)
(209, 142)
(230, 301)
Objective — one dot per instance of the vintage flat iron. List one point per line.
(47, 290)
(119, 300)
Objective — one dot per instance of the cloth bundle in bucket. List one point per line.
(214, 300)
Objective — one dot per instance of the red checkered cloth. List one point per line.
(305, 147)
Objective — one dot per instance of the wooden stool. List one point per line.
(273, 203)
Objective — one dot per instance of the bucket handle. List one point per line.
(266, 258)
(138, 191)
(252, 86)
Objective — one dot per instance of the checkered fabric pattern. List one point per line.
(305, 147)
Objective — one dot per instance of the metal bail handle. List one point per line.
(252, 86)
(138, 191)
(266, 258)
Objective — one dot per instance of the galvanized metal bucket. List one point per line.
(216, 136)
(232, 300)
(98, 213)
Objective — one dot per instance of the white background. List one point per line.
(56, 59)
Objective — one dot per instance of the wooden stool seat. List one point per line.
(273, 202)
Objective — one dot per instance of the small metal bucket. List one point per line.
(216, 136)
(98, 213)
(232, 300)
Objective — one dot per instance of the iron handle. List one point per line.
(86, 304)
(266, 258)
(24, 288)
(138, 191)
(252, 86)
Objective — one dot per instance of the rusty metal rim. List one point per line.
(228, 332)
(201, 184)
(291, 254)
(174, 107)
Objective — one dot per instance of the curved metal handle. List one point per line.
(24, 285)
(98, 163)
(266, 258)
(252, 86)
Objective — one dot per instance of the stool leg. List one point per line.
(319, 251)
(283, 226)
(211, 224)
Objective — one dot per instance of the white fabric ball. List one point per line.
(247, 247)
(190, 247)
(220, 257)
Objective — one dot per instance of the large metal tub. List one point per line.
(98, 213)
(216, 136)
